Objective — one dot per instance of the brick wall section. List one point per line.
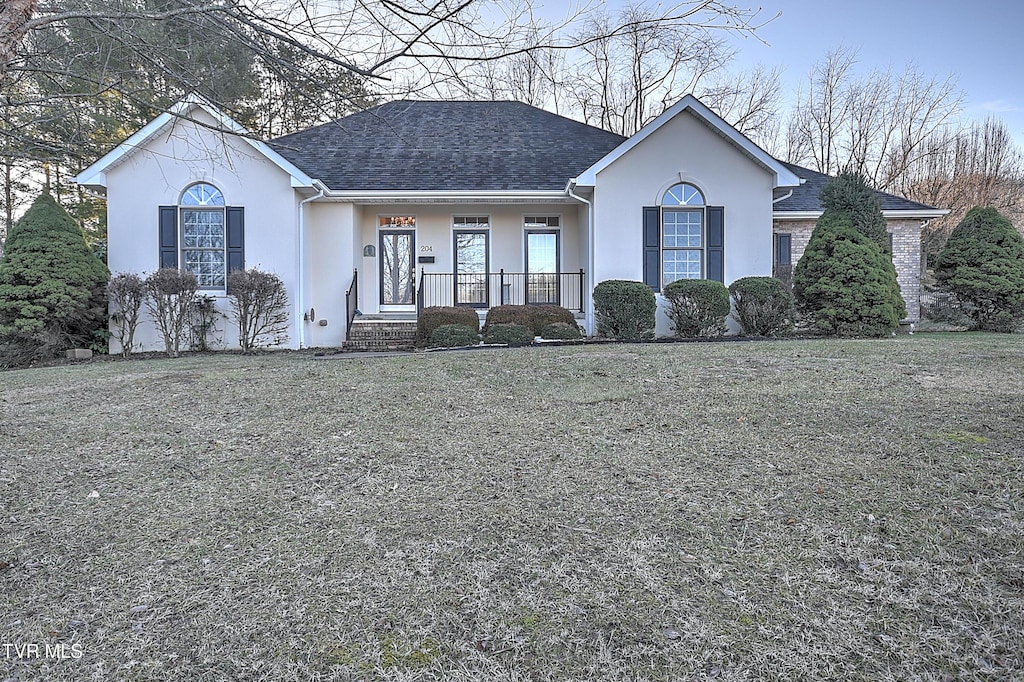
(906, 247)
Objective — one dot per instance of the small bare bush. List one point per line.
(259, 303)
(127, 291)
(169, 294)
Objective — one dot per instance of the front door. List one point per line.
(397, 268)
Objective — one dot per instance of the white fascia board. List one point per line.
(94, 176)
(783, 176)
(468, 196)
(923, 214)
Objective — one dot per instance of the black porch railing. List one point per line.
(486, 290)
(351, 302)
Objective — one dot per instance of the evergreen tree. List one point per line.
(845, 283)
(983, 264)
(52, 287)
(850, 193)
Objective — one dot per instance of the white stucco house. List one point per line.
(411, 204)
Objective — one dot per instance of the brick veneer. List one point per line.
(906, 248)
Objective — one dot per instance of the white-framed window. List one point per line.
(682, 233)
(203, 240)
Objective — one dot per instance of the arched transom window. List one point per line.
(682, 194)
(682, 233)
(202, 235)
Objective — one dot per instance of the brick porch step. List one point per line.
(377, 335)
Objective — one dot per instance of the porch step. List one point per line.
(377, 335)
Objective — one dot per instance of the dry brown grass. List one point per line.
(751, 511)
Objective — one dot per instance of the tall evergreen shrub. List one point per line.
(52, 287)
(845, 283)
(983, 264)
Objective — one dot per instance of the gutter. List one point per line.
(301, 239)
(589, 312)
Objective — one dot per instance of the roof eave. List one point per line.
(445, 196)
(910, 214)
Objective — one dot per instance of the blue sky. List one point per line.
(979, 42)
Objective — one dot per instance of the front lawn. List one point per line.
(792, 510)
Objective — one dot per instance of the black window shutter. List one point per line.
(652, 247)
(783, 249)
(169, 236)
(716, 244)
(236, 238)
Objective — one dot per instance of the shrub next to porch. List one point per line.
(625, 310)
(763, 306)
(436, 316)
(535, 317)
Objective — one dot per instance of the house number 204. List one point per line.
(426, 249)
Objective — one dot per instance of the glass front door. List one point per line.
(397, 267)
(542, 266)
(471, 268)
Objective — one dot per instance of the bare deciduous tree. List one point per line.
(875, 125)
(961, 168)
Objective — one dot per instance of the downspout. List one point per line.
(301, 297)
(782, 198)
(589, 312)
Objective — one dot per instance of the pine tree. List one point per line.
(52, 287)
(850, 193)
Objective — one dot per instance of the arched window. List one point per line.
(683, 194)
(203, 245)
(682, 233)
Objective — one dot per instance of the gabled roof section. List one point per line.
(803, 200)
(783, 175)
(448, 146)
(95, 175)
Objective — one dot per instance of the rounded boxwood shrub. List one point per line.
(512, 334)
(625, 310)
(560, 331)
(762, 306)
(535, 316)
(52, 287)
(435, 316)
(983, 264)
(697, 307)
(845, 283)
(453, 336)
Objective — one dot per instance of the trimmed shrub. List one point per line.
(435, 316)
(127, 291)
(560, 331)
(259, 304)
(762, 306)
(52, 287)
(453, 336)
(534, 316)
(169, 295)
(512, 334)
(983, 264)
(625, 310)
(697, 307)
(845, 283)
(850, 193)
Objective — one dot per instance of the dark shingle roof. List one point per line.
(448, 146)
(805, 197)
